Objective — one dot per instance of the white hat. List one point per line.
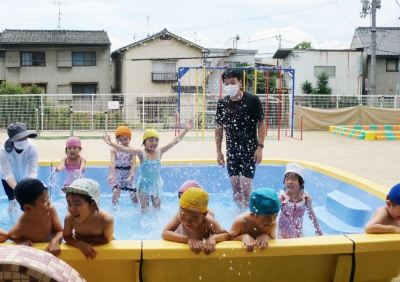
(296, 168)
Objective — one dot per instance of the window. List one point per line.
(163, 71)
(2, 53)
(84, 89)
(83, 58)
(331, 71)
(33, 59)
(392, 65)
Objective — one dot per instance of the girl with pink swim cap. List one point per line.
(73, 163)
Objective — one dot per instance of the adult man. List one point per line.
(242, 116)
(18, 159)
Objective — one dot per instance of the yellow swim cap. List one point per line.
(150, 133)
(194, 199)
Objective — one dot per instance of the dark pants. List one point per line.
(9, 191)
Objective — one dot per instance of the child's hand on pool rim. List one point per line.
(209, 245)
(195, 245)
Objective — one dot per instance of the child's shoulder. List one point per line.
(105, 216)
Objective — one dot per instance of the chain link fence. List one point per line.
(91, 112)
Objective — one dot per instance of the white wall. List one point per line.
(347, 62)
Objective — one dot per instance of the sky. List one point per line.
(327, 24)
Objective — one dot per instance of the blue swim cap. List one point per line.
(264, 201)
(394, 194)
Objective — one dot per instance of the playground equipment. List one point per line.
(290, 72)
(367, 132)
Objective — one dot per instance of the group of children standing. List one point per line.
(194, 223)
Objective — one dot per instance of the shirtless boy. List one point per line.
(39, 223)
(256, 227)
(86, 224)
(191, 224)
(386, 219)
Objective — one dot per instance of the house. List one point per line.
(344, 68)
(231, 57)
(387, 57)
(146, 71)
(58, 61)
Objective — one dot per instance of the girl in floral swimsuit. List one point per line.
(294, 202)
(122, 168)
(150, 182)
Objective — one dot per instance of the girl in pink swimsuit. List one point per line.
(294, 202)
(73, 163)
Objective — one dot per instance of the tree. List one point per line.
(322, 84)
(11, 88)
(306, 87)
(303, 45)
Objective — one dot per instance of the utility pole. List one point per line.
(279, 38)
(370, 8)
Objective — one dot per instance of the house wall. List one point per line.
(136, 76)
(58, 73)
(2, 68)
(386, 82)
(347, 80)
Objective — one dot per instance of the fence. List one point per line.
(139, 111)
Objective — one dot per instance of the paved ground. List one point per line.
(373, 160)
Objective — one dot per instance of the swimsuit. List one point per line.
(150, 182)
(291, 217)
(73, 172)
(122, 171)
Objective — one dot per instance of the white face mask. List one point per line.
(231, 89)
(21, 145)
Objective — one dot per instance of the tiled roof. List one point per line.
(387, 40)
(162, 32)
(19, 36)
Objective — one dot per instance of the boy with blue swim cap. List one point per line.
(386, 219)
(254, 228)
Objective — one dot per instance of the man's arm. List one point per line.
(261, 136)
(219, 133)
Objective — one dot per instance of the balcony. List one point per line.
(164, 76)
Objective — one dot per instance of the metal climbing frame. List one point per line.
(281, 116)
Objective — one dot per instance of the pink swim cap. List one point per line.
(189, 184)
(73, 142)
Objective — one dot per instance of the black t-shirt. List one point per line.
(239, 120)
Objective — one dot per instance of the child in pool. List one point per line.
(39, 223)
(150, 182)
(122, 168)
(294, 202)
(256, 227)
(193, 184)
(86, 224)
(386, 219)
(193, 226)
(73, 163)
